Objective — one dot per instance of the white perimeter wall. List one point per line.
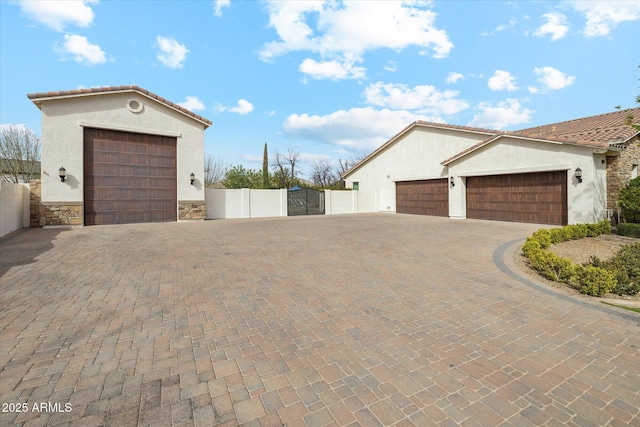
(246, 203)
(14, 207)
(347, 201)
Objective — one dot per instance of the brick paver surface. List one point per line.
(308, 321)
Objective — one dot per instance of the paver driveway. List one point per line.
(338, 320)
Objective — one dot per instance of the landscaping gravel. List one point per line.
(604, 247)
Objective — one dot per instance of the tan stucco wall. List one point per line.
(63, 121)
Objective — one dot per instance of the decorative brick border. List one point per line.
(192, 210)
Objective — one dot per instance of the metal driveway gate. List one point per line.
(305, 201)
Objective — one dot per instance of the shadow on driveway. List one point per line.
(24, 246)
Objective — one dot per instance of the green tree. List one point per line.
(239, 177)
(265, 168)
(629, 201)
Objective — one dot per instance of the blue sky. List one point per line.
(333, 79)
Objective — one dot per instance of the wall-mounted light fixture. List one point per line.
(579, 174)
(62, 173)
(192, 177)
(452, 182)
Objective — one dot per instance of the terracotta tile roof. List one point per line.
(455, 127)
(597, 131)
(601, 131)
(37, 98)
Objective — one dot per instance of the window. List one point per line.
(634, 171)
(356, 185)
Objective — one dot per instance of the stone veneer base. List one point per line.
(61, 213)
(189, 210)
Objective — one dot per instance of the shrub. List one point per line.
(629, 229)
(602, 227)
(590, 279)
(543, 237)
(552, 266)
(629, 201)
(531, 246)
(625, 265)
(593, 281)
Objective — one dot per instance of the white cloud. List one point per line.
(333, 70)
(172, 54)
(81, 50)
(392, 66)
(556, 26)
(425, 99)
(243, 107)
(502, 80)
(604, 16)
(358, 129)
(57, 14)
(553, 79)
(192, 103)
(533, 89)
(219, 5)
(343, 31)
(500, 115)
(512, 23)
(454, 77)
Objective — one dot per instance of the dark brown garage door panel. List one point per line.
(129, 177)
(539, 197)
(423, 197)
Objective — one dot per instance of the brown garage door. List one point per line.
(128, 177)
(539, 198)
(424, 197)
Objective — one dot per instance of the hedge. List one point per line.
(625, 266)
(629, 229)
(590, 280)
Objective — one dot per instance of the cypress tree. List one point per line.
(265, 168)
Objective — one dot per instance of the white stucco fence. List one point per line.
(14, 207)
(348, 201)
(246, 203)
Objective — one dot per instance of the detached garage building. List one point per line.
(562, 173)
(116, 155)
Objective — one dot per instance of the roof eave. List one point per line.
(405, 131)
(487, 142)
(37, 99)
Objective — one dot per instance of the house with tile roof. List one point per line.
(118, 154)
(562, 173)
